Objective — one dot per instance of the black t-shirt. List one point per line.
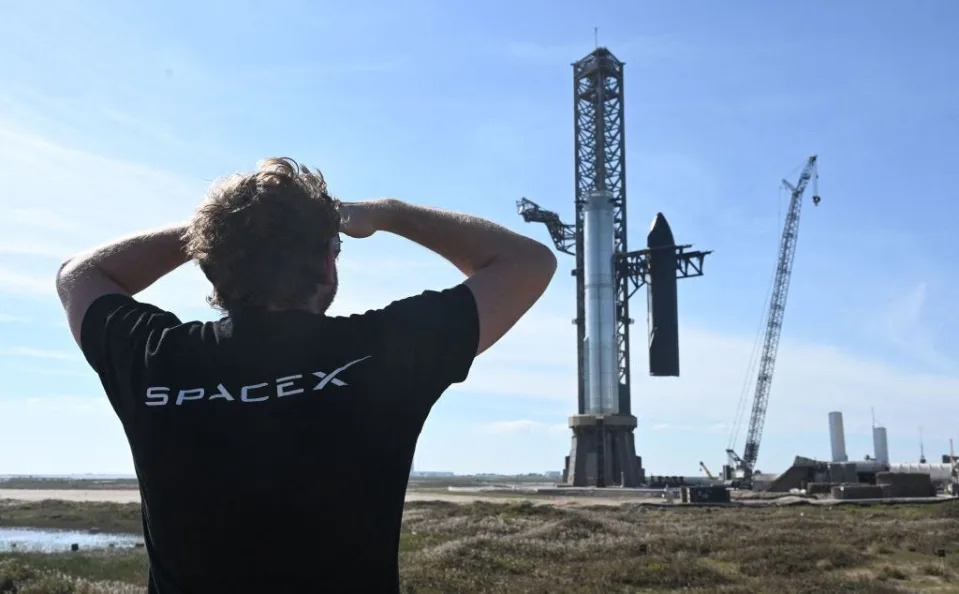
(273, 449)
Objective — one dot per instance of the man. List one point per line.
(273, 447)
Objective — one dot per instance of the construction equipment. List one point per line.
(954, 483)
(739, 471)
(709, 475)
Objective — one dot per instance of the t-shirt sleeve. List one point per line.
(116, 336)
(440, 330)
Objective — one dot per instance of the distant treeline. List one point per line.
(416, 479)
(39, 482)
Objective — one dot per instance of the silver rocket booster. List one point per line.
(602, 384)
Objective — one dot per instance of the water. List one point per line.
(56, 541)
(68, 476)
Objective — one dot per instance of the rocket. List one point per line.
(663, 317)
(601, 364)
(601, 359)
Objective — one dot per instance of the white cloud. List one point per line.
(81, 372)
(12, 319)
(902, 324)
(27, 246)
(140, 127)
(23, 283)
(385, 264)
(505, 379)
(46, 207)
(40, 354)
(40, 218)
(127, 196)
(183, 292)
(66, 403)
(712, 428)
(699, 407)
(61, 434)
(534, 365)
(538, 361)
(520, 426)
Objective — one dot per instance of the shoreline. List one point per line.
(133, 496)
(571, 500)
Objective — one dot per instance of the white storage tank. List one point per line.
(937, 472)
(869, 466)
(879, 445)
(837, 439)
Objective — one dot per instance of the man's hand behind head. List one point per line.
(357, 219)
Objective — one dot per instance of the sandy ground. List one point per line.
(111, 495)
(133, 496)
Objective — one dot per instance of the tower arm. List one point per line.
(563, 235)
(634, 266)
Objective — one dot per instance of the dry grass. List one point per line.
(522, 547)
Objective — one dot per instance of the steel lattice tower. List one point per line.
(603, 451)
(600, 149)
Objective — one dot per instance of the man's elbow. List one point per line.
(64, 273)
(546, 259)
(542, 263)
(72, 273)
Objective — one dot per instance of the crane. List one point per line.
(740, 469)
(709, 475)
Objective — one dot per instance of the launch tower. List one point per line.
(607, 274)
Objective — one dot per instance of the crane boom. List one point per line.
(777, 307)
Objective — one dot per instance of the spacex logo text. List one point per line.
(281, 387)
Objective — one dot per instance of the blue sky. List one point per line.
(118, 116)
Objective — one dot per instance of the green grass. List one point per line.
(126, 566)
(70, 515)
(526, 547)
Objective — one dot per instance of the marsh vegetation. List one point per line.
(530, 547)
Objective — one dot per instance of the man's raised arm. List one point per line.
(507, 272)
(126, 266)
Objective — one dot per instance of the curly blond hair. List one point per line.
(263, 239)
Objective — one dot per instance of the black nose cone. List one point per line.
(660, 234)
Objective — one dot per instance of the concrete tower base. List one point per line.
(603, 453)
